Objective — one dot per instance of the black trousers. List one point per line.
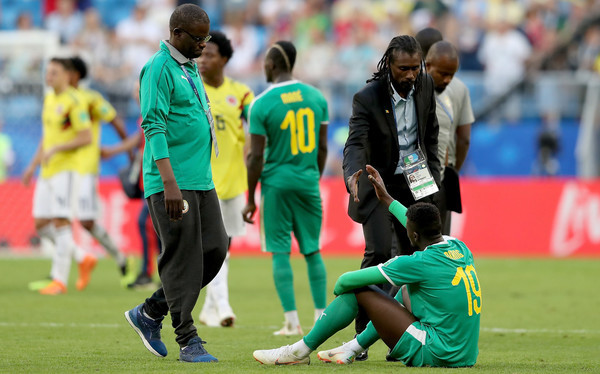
(191, 255)
(385, 237)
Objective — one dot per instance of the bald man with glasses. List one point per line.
(178, 185)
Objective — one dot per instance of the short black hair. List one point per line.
(65, 62)
(442, 48)
(286, 60)
(222, 42)
(79, 66)
(426, 218)
(186, 15)
(428, 37)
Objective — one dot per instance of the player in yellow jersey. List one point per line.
(229, 101)
(66, 128)
(88, 201)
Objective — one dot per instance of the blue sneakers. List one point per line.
(148, 329)
(195, 352)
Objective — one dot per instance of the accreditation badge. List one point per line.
(417, 175)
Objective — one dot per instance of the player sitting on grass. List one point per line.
(434, 319)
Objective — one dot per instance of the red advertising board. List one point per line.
(502, 217)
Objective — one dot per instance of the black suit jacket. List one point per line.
(373, 139)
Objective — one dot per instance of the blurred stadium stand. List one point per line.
(558, 97)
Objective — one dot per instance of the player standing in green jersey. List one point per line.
(434, 319)
(288, 147)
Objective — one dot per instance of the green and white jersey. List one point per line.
(289, 114)
(445, 297)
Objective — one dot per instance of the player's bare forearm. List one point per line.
(255, 166)
(322, 153)
(119, 126)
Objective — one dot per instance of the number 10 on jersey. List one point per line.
(302, 130)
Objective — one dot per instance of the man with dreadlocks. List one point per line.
(288, 147)
(393, 119)
(434, 321)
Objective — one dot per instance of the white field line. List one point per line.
(499, 330)
(537, 331)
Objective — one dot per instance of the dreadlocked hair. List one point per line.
(401, 43)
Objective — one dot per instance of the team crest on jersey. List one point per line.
(60, 109)
(186, 207)
(231, 100)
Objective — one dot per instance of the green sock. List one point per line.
(339, 314)
(369, 336)
(317, 277)
(284, 280)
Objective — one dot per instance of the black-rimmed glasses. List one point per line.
(197, 39)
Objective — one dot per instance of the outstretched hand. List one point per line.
(379, 186)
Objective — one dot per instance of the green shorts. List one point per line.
(285, 211)
(416, 345)
(411, 349)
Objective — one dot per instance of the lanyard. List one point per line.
(445, 109)
(208, 113)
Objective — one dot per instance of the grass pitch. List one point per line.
(538, 315)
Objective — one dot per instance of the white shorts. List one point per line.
(231, 210)
(53, 197)
(88, 201)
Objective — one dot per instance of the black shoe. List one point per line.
(141, 281)
(362, 356)
(123, 269)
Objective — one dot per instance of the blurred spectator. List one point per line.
(312, 17)
(139, 37)
(470, 17)
(504, 53)
(7, 155)
(357, 58)
(159, 12)
(589, 50)
(66, 20)
(113, 74)
(246, 43)
(24, 21)
(349, 17)
(316, 64)
(92, 39)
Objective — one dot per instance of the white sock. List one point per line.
(47, 232)
(292, 318)
(318, 313)
(61, 261)
(105, 240)
(354, 346)
(300, 348)
(47, 240)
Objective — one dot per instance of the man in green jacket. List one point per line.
(178, 185)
